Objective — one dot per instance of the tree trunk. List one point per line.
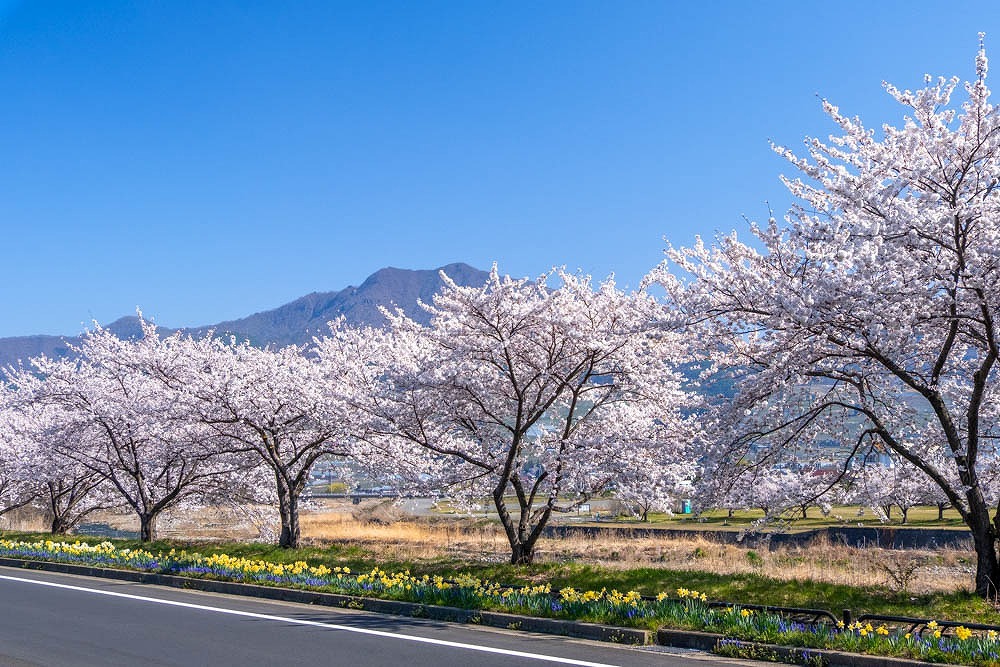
(805, 511)
(984, 539)
(941, 507)
(905, 511)
(521, 555)
(60, 526)
(987, 567)
(147, 526)
(288, 508)
(524, 552)
(521, 536)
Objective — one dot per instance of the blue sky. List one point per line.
(209, 160)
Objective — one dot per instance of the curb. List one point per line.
(707, 641)
(552, 626)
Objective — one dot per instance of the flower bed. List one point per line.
(688, 610)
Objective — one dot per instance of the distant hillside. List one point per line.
(295, 322)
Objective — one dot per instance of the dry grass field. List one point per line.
(916, 571)
(384, 533)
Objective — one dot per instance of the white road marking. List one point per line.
(331, 626)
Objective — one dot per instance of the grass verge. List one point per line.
(744, 588)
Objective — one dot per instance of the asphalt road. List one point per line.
(56, 619)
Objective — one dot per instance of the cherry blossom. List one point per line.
(870, 313)
(537, 396)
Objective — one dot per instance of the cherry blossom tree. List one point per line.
(874, 307)
(897, 484)
(276, 406)
(650, 471)
(66, 490)
(811, 484)
(738, 495)
(17, 480)
(130, 428)
(910, 488)
(774, 490)
(529, 393)
(16, 490)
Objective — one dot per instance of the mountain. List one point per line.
(295, 322)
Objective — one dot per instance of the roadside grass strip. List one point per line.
(680, 609)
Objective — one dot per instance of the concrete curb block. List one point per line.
(552, 626)
(707, 641)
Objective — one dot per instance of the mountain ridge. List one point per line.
(292, 323)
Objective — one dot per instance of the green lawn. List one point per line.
(924, 516)
(918, 517)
